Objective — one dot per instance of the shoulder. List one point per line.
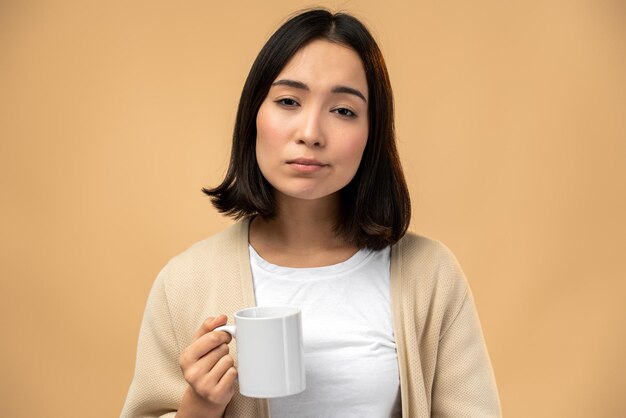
(221, 247)
(429, 273)
(205, 279)
(203, 260)
(417, 252)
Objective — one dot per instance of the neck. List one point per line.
(302, 233)
(302, 223)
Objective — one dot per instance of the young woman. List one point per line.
(323, 208)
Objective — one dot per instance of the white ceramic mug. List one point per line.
(270, 352)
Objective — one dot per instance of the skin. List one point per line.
(321, 122)
(312, 130)
(209, 370)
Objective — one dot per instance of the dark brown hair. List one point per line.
(375, 205)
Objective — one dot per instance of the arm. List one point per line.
(210, 372)
(158, 385)
(464, 384)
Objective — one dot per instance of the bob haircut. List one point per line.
(375, 208)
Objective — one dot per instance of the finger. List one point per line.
(196, 372)
(209, 325)
(227, 382)
(202, 346)
(206, 363)
(219, 369)
(224, 390)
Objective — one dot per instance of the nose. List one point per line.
(311, 132)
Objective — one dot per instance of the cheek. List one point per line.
(352, 148)
(270, 133)
(268, 126)
(358, 146)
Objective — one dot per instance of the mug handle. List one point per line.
(231, 329)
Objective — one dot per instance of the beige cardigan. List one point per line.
(444, 366)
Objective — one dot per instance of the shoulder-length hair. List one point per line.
(375, 206)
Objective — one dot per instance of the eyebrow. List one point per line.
(338, 89)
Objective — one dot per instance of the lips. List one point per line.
(306, 161)
(306, 165)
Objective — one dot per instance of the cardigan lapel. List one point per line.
(243, 259)
(398, 322)
(247, 291)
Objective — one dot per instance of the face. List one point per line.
(312, 127)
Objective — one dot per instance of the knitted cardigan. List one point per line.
(443, 362)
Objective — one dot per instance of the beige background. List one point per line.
(512, 127)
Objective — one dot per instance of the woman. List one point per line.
(323, 208)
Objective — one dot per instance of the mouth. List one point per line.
(306, 162)
(306, 165)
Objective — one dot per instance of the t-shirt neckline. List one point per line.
(342, 267)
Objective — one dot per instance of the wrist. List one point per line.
(193, 406)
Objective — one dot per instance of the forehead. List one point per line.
(323, 63)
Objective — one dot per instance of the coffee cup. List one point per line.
(270, 351)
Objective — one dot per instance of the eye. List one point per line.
(287, 102)
(347, 113)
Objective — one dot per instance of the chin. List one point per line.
(309, 195)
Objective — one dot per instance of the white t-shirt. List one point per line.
(350, 350)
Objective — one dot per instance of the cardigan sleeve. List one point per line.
(464, 384)
(158, 385)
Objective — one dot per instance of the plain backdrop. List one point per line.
(511, 122)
